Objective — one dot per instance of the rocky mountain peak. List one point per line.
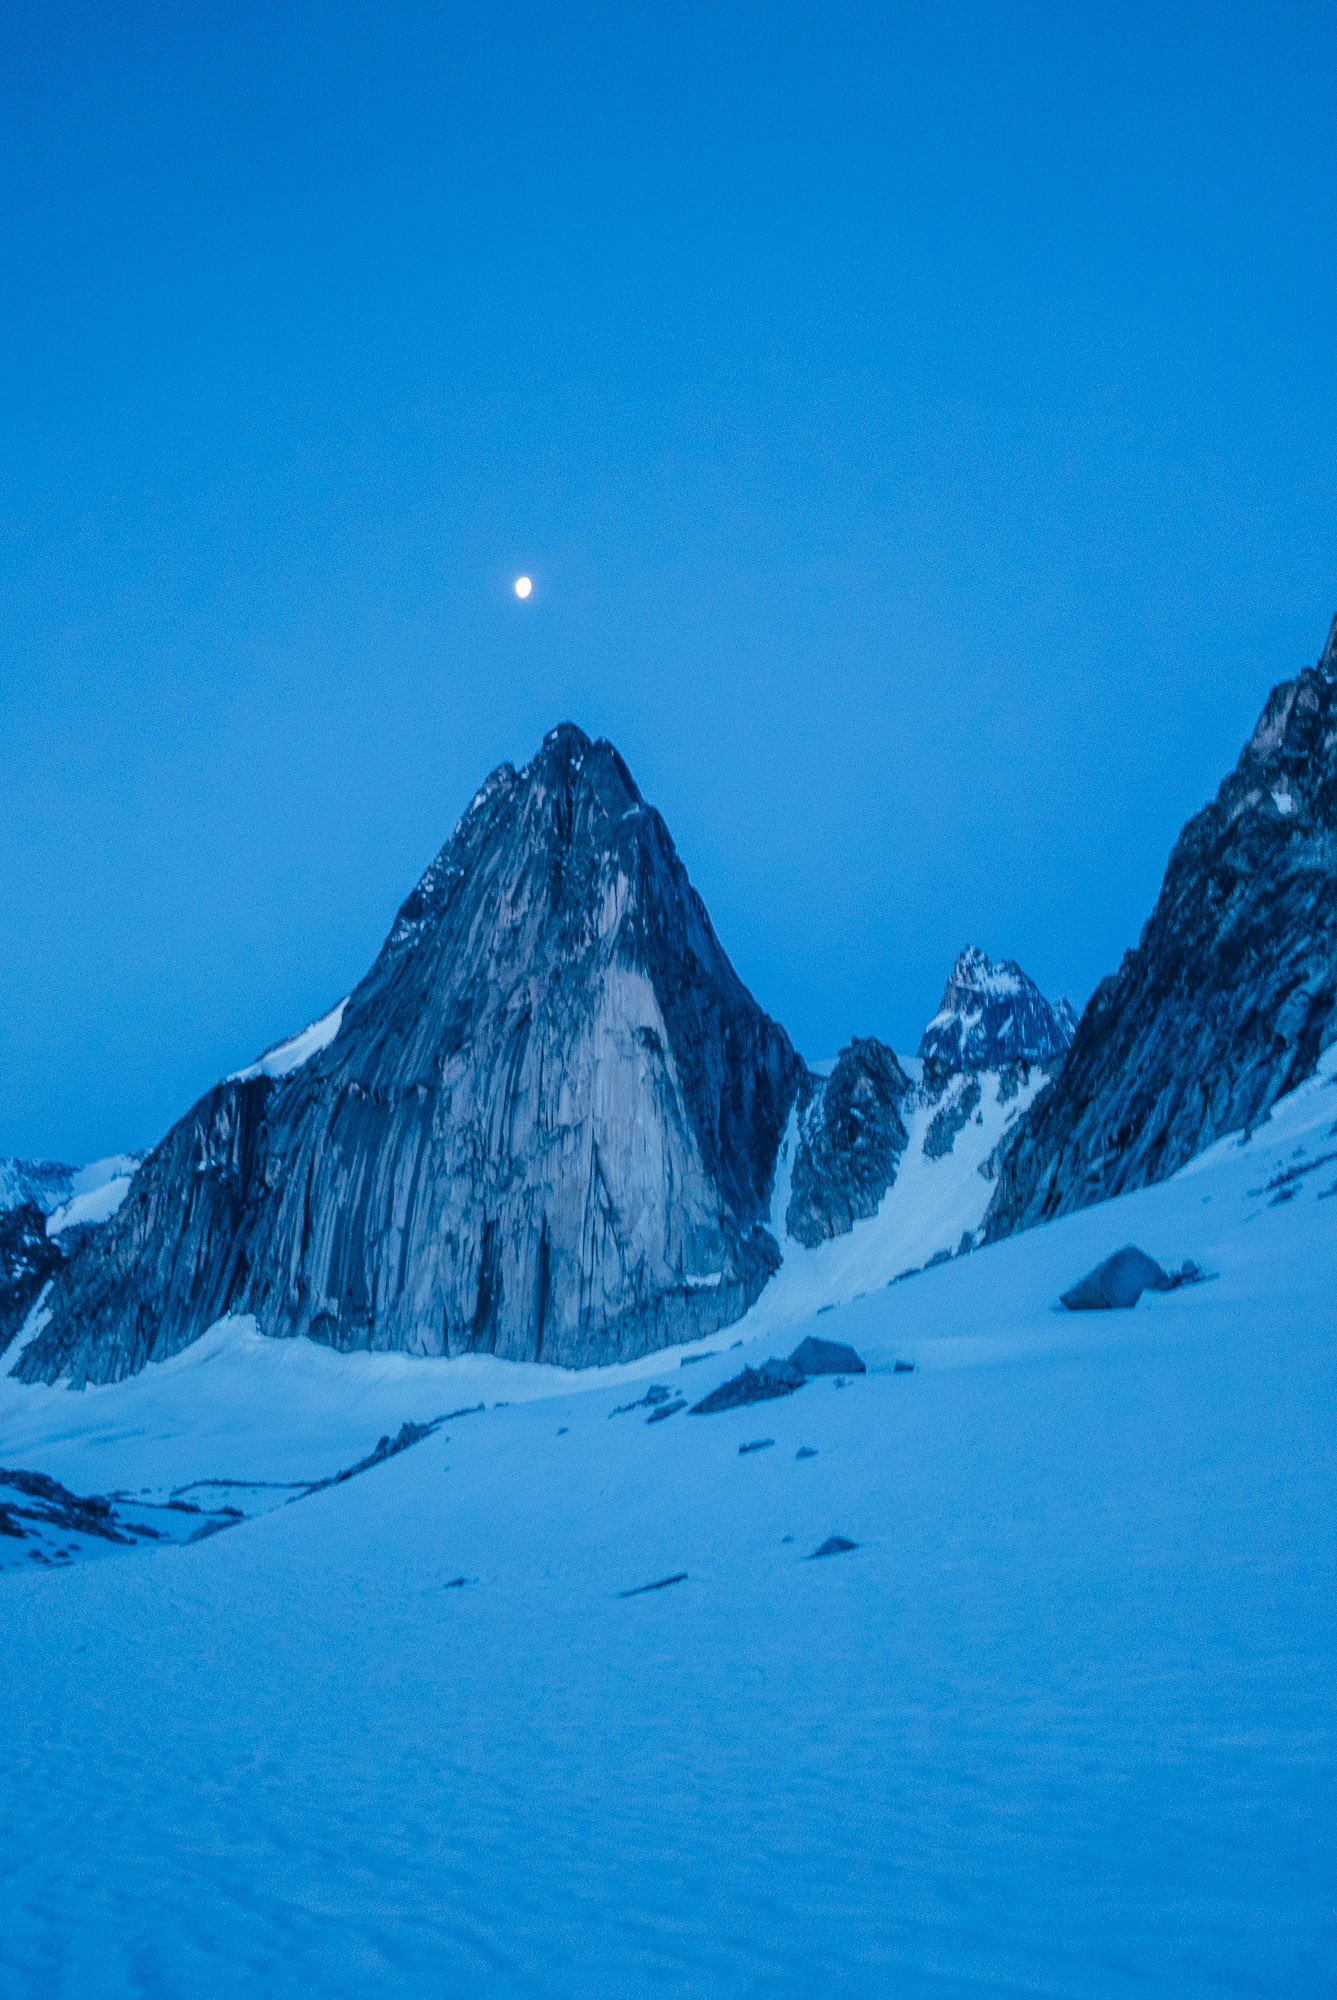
(545, 1124)
(568, 802)
(1231, 994)
(991, 1014)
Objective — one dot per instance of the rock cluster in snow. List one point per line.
(1231, 995)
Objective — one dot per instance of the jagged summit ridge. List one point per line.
(545, 1126)
(1327, 663)
(993, 1014)
(1231, 994)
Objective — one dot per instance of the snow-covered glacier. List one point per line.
(1060, 1721)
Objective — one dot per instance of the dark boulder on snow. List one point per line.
(755, 1385)
(1122, 1279)
(851, 1135)
(825, 1357)
(834, 1545)
(544, 1126)
(1231, 995)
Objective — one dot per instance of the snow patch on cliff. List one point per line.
(287, 1056)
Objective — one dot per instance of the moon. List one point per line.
(523, 586)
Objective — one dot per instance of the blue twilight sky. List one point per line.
(919, 423)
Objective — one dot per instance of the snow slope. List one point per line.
(1062, 1723)
(929, 1207)
(71, 1192)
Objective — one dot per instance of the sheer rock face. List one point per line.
(992, 1015)
(546, 1127)
(850, 1138)
(1228, 1000)
(28, 1257)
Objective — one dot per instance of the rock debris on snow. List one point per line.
(755, 1385)
(640, 1589)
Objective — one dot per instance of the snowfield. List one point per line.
(1062, 1722)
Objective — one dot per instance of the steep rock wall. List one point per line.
(1228, 1000)
(546, 1126)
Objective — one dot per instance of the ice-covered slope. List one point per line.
(96, 1192)
(1061, 1723)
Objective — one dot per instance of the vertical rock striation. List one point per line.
(1228, 1000)
(545, 1125)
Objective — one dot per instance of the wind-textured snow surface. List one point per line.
(1061, 1722)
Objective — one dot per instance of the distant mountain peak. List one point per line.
(993, 1014)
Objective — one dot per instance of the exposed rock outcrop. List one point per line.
(755, 1385)
(850, 1136)
(544, 1125)
(28, 1257)
(962, 1099)
(1228, 1000)
(825, 1357)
